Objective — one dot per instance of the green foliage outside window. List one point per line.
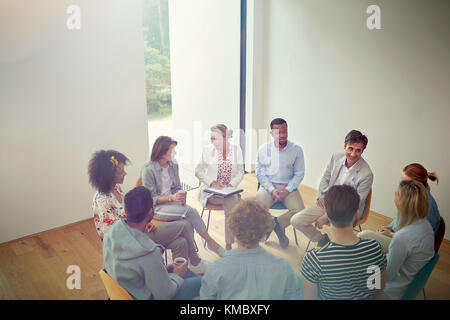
(157, 58)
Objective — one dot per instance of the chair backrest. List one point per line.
(115, 291)
(367, 208)
(139, 182)
(439, 236)
(420, 279)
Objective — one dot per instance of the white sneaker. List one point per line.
(220, 251)
(200, 268)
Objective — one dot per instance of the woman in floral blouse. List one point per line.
(221, 166)
(106, 173)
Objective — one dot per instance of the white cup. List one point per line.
(179, 261)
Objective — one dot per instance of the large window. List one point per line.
(157, 58)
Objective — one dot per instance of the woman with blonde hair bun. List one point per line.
(221, 166)
(412, 246)
(416, 172)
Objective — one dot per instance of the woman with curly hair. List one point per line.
(106, 174)
(249, 272)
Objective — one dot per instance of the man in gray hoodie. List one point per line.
(136, 262)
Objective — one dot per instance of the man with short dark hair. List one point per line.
(346, 267)
(136, 262)
(280, 168)
(344, 168)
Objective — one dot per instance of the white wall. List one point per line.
(205, 53)
(326, 73)
(63, 95)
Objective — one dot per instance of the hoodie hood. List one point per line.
(128, 243)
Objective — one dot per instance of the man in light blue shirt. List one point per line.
(280, 168)
(249, 272)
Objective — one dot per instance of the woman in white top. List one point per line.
(220, 166)
(412, 245)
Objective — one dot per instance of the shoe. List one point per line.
(270, 232)
(220, 251)
(200, 268)
(323, 241)
(284, 241)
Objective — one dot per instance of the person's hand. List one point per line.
(321, 203)
(229, 186)
(180, 197)
(169, 268)
(275, 195)
(323, 219)
(381, 229)
(282, 194)
(150, 227)
(180, 269)
(216, 185)
(387, 232)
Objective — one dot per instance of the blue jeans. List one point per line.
(190, 287)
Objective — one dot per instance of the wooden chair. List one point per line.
(209, 207)
(115, 290)
(366, 211)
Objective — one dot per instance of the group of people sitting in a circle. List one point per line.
(133, 246)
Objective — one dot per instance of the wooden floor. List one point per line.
(35, 267)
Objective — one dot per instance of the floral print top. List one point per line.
(224, 167)
(107, 210)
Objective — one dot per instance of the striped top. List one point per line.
(342, 272)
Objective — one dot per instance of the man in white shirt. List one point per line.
(348, 168)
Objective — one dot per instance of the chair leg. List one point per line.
(202, 212)
(307, 247)
(165, 255)
(207, 227)
(424, 295)
(195, 245)
(295, 236)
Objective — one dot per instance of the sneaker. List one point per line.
(220, 251)
(284, 241)
(200, 268)
(323, 241)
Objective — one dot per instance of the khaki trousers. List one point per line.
(303, 221)
(293, 202)
(178, 236)
(385, 241)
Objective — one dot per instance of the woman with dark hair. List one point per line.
(106, 172)
(416, 172)
(160, 175)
